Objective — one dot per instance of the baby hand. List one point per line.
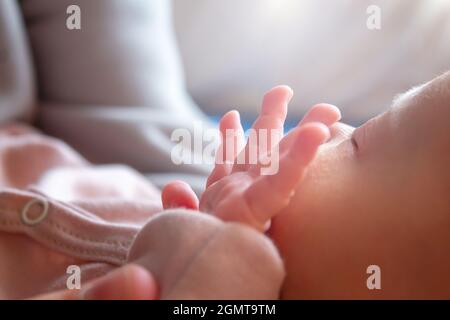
(240, 191)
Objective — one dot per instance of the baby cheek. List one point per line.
(323, 202)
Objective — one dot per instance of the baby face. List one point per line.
(375, 195)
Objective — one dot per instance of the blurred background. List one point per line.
(234, 50)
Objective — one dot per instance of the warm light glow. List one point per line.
(284, 9)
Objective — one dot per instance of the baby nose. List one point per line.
(340, 132)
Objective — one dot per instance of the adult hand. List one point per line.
(130, 282)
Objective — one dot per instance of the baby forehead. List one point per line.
(428, 104)
(419, 120)
(436, 91)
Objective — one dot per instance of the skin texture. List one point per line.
(381, 199)
(345, 199)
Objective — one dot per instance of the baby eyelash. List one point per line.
(354, 143)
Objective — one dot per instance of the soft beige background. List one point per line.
(235, 50)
